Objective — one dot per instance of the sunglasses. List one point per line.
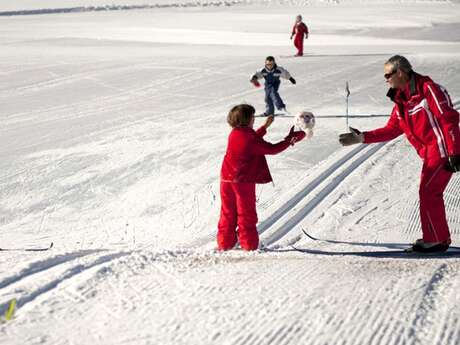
(389, 75)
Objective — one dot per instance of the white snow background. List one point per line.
(113, 129)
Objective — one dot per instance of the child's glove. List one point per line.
(453, 163)
(255, 82)
(294, 136)
(292, 80)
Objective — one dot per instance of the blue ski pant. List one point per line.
(272, 99)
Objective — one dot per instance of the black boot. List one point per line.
(421, 246)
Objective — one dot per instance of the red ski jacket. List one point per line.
(245, 160)
(300, 29)
(424, 112)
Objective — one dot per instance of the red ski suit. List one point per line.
(299, 30)
(244, 165)
(424, 112)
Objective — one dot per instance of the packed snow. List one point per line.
(113, 129)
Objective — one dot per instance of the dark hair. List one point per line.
(240, 115)
(399, 62)
(270, 58)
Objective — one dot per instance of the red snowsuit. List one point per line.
(424, 112)
(299, 30)
(244, 165)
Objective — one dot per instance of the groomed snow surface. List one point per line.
(113, 129)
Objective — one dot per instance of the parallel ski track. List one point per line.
(40, 266)
(24, 296)
(320, 192)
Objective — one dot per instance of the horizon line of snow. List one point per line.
(119, 7)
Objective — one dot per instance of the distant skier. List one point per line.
(245, 165)
(423, 111)
(272, 74)
(300, 30)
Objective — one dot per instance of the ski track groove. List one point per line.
(109, 102)
(427, 306)
(320, 195)
(393, 327)
(382, 317)
(120, 105)
(68, 274)
(40, 266)
(292, 202)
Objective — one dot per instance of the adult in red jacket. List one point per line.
(299, 31)
(422, 111)
(245, 165)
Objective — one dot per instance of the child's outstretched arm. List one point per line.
(262, 147)
(286, 75)
(263, 129)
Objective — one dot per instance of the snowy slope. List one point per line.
(113, 131)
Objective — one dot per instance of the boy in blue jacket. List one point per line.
(272, 74)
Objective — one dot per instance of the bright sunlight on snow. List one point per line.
(113, 130)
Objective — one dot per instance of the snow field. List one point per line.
(113, 132)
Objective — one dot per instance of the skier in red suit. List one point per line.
(299, 31)
(423, 111)
(245, 165)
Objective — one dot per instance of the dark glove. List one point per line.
(292, 80)
(453, 163)
(294, 136)
(354, 137)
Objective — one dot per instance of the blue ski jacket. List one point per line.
(272, 77)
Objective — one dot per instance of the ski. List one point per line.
(362, 244)
(400, 253)
(39, 249)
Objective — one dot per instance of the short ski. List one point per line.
(38, 249)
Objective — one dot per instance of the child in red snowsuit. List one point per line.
(299, 30)
(245, 165)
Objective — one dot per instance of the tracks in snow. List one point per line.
(23, 285)
(291, 213)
